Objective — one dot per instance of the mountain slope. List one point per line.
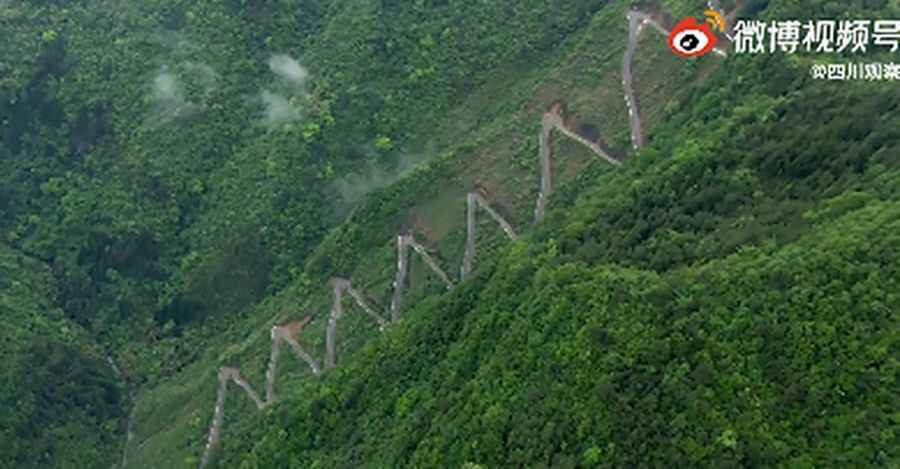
(56, 389)
(185, 184)
(716, 354)
(616, 367)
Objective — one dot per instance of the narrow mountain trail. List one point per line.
(132, 394)
(340, 287)
(636, 22)
(552, 120)
(403, 243)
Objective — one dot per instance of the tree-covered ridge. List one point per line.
(62, 404)
(769, 357)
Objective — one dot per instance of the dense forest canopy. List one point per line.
(180, 176)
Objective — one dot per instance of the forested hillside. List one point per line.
(165, 153)
(180, 176)
(728, 299)
(725, 300)
(616, 367)
(62, 403)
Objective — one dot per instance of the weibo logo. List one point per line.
(690, 38)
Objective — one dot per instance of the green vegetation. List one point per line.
(179, 176)
(620, 368)
(55, 389)
(723, 301)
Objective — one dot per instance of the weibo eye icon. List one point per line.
(691, 39)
